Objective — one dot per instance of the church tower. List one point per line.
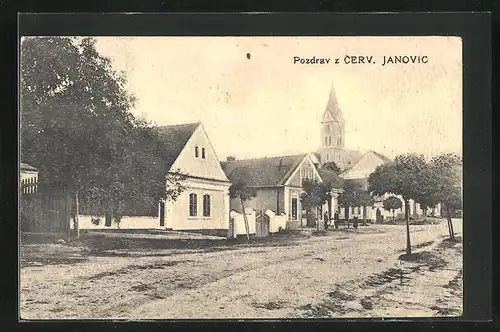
(332, 132)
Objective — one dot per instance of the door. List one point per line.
(162, 213)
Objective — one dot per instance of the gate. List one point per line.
(44, 208)
(262, 225)
(231, 231)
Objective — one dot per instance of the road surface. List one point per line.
(341, 274)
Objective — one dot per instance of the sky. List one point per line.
(266, 105)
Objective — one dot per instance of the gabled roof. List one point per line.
(262, 172)
(381, 156)
(352, 156)
(358, 155)
(331, 177)
(26, 167)
(174, 138)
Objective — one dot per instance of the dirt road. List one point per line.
(341, 274)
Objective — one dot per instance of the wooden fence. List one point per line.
(45, 208)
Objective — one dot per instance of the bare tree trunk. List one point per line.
(393, 218)
(329, 209)
(364, 215)
(77, 222)
(346, 215)
(450, 224)
(247, 227)
(67, 197)
(407, 217)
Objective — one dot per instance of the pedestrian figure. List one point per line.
(325, 219)
(336, 220)
(355, 222)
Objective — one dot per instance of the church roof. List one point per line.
(332, 106)
(262, 172)
(174, 138)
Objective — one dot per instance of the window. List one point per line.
(326, 140)
(202, 153)
(294, 208)
(327, 157)
(206, 205)
(196, 152)
(193, 205)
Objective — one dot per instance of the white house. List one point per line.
(204, 204)
(278, 183)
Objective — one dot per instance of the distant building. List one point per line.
(29, 178)
(355, 166)
(278, 182)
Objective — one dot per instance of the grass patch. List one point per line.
(271, 305)
(41, 261)
(130, 268)
(338, 295)
(366, 303)
(425, 258)
(324, 310)
(389, 276)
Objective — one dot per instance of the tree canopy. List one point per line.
(331, 166)
(78, 130)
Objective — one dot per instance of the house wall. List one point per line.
(139, 222)
(265, 199)
(290, 193)
(177, 213)
(188, 163)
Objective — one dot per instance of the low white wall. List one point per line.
(239, 222)
(276, 221)
(139, 222)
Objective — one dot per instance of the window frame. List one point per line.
(296, 216)
(203, 155)
(193, 205)
(196, 152)
(207, 204)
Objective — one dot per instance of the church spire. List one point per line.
(333, 108)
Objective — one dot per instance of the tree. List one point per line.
(331, 166)
(364, 199)
(78, 129)
(314, 194)
(401, 177)
(75, 115)
(244, 193)
(392, 203)
(447, 171)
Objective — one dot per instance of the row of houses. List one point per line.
(205, 204)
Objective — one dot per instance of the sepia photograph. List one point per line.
(183, 177)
